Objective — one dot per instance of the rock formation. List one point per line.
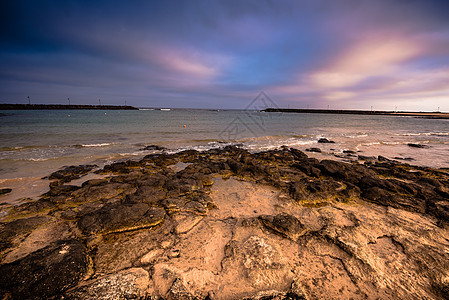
(229, 224)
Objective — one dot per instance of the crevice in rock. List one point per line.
(350, 275)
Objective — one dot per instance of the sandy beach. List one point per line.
(228, 224)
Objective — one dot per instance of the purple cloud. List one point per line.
(346, 54)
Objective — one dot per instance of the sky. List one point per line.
(345, 54)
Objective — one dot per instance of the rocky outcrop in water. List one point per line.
(418, 145)
(5, 191)
(228, 224)
(325, 141)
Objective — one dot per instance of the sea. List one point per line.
(35, 143)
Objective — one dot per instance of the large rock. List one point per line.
(45, 273)
(121, 217)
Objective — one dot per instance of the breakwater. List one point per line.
(430, 115)
(62, 106)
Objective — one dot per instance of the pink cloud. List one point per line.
(371, 57)
(187, 62)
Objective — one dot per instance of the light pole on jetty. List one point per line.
(99, 101)
(29, 100)
(68, 99)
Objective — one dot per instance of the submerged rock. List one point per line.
(313, 150)
(5, 191)
(325, 141)
(154, 147)
(418, 145)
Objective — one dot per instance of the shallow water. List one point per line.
(36, 143)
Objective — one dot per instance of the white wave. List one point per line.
(409, 134)
(200, 148)
(392, 143)
(356, 136)
(37, 159)
(425, 134)
(371, 144)
(297, 143)
(136, 153)
(96, 145)
(273, 144)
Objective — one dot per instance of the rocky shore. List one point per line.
(229, 224)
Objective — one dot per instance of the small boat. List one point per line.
(165, 109)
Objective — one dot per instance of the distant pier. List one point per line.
(429, 115)
(63, 107)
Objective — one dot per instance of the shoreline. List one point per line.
(229, 223)
(318, 150)
(427, 115)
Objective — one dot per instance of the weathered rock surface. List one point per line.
(228, 224)
(69, 173)
(45, 273)
(284, 225)
(18, 229)
(121, 217)
(129, 284)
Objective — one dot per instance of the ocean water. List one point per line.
(36, 143)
